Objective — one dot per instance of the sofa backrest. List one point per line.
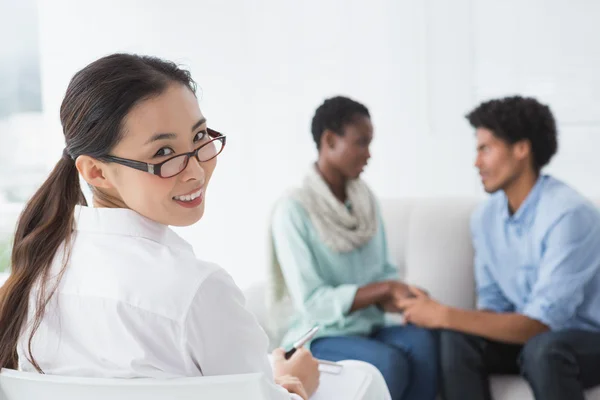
(430, 242)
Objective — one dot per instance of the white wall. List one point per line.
(264, 66)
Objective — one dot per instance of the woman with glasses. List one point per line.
(110, 290)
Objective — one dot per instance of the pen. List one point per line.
(301, 342)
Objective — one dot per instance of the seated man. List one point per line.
(537, 258)
(330, 243)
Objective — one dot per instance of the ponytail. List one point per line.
(92, 114)
(45, 224)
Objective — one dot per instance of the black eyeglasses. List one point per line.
(174, 165)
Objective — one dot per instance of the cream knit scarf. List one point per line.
(341, 227)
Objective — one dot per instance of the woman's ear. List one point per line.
(328, 139)
(93, 172)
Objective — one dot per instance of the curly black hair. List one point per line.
(333, 114)
(518, 118)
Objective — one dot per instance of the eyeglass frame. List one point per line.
(154, 169)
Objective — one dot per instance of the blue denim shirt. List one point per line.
(543, 261)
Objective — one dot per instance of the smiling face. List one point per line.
(155, 130)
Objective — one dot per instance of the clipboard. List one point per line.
(330, 367)
(338, 382)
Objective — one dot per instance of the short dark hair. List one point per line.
(519, 118)
(333, 114)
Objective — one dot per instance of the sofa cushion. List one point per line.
(516, 388)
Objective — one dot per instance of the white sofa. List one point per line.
(430, 241)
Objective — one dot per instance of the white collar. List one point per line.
(125, 222)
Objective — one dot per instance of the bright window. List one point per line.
(20, 115)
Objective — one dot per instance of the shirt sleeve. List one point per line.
(570, 260)
(310, 293)
(489, 294)
(221, 337)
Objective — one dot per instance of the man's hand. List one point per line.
(301, 365)
(422, 310)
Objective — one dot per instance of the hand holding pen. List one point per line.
(301, 342)
(299, 363)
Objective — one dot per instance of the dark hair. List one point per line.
(97, 100)
(517, 118)
(333, 114)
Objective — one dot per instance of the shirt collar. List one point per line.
(125, 222)
(529, 205)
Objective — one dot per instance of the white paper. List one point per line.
(348, 384)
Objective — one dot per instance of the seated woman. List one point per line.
(330, 248)
(111, 291)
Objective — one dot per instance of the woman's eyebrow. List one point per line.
(171, 136)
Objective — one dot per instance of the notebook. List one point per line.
(341, 383)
